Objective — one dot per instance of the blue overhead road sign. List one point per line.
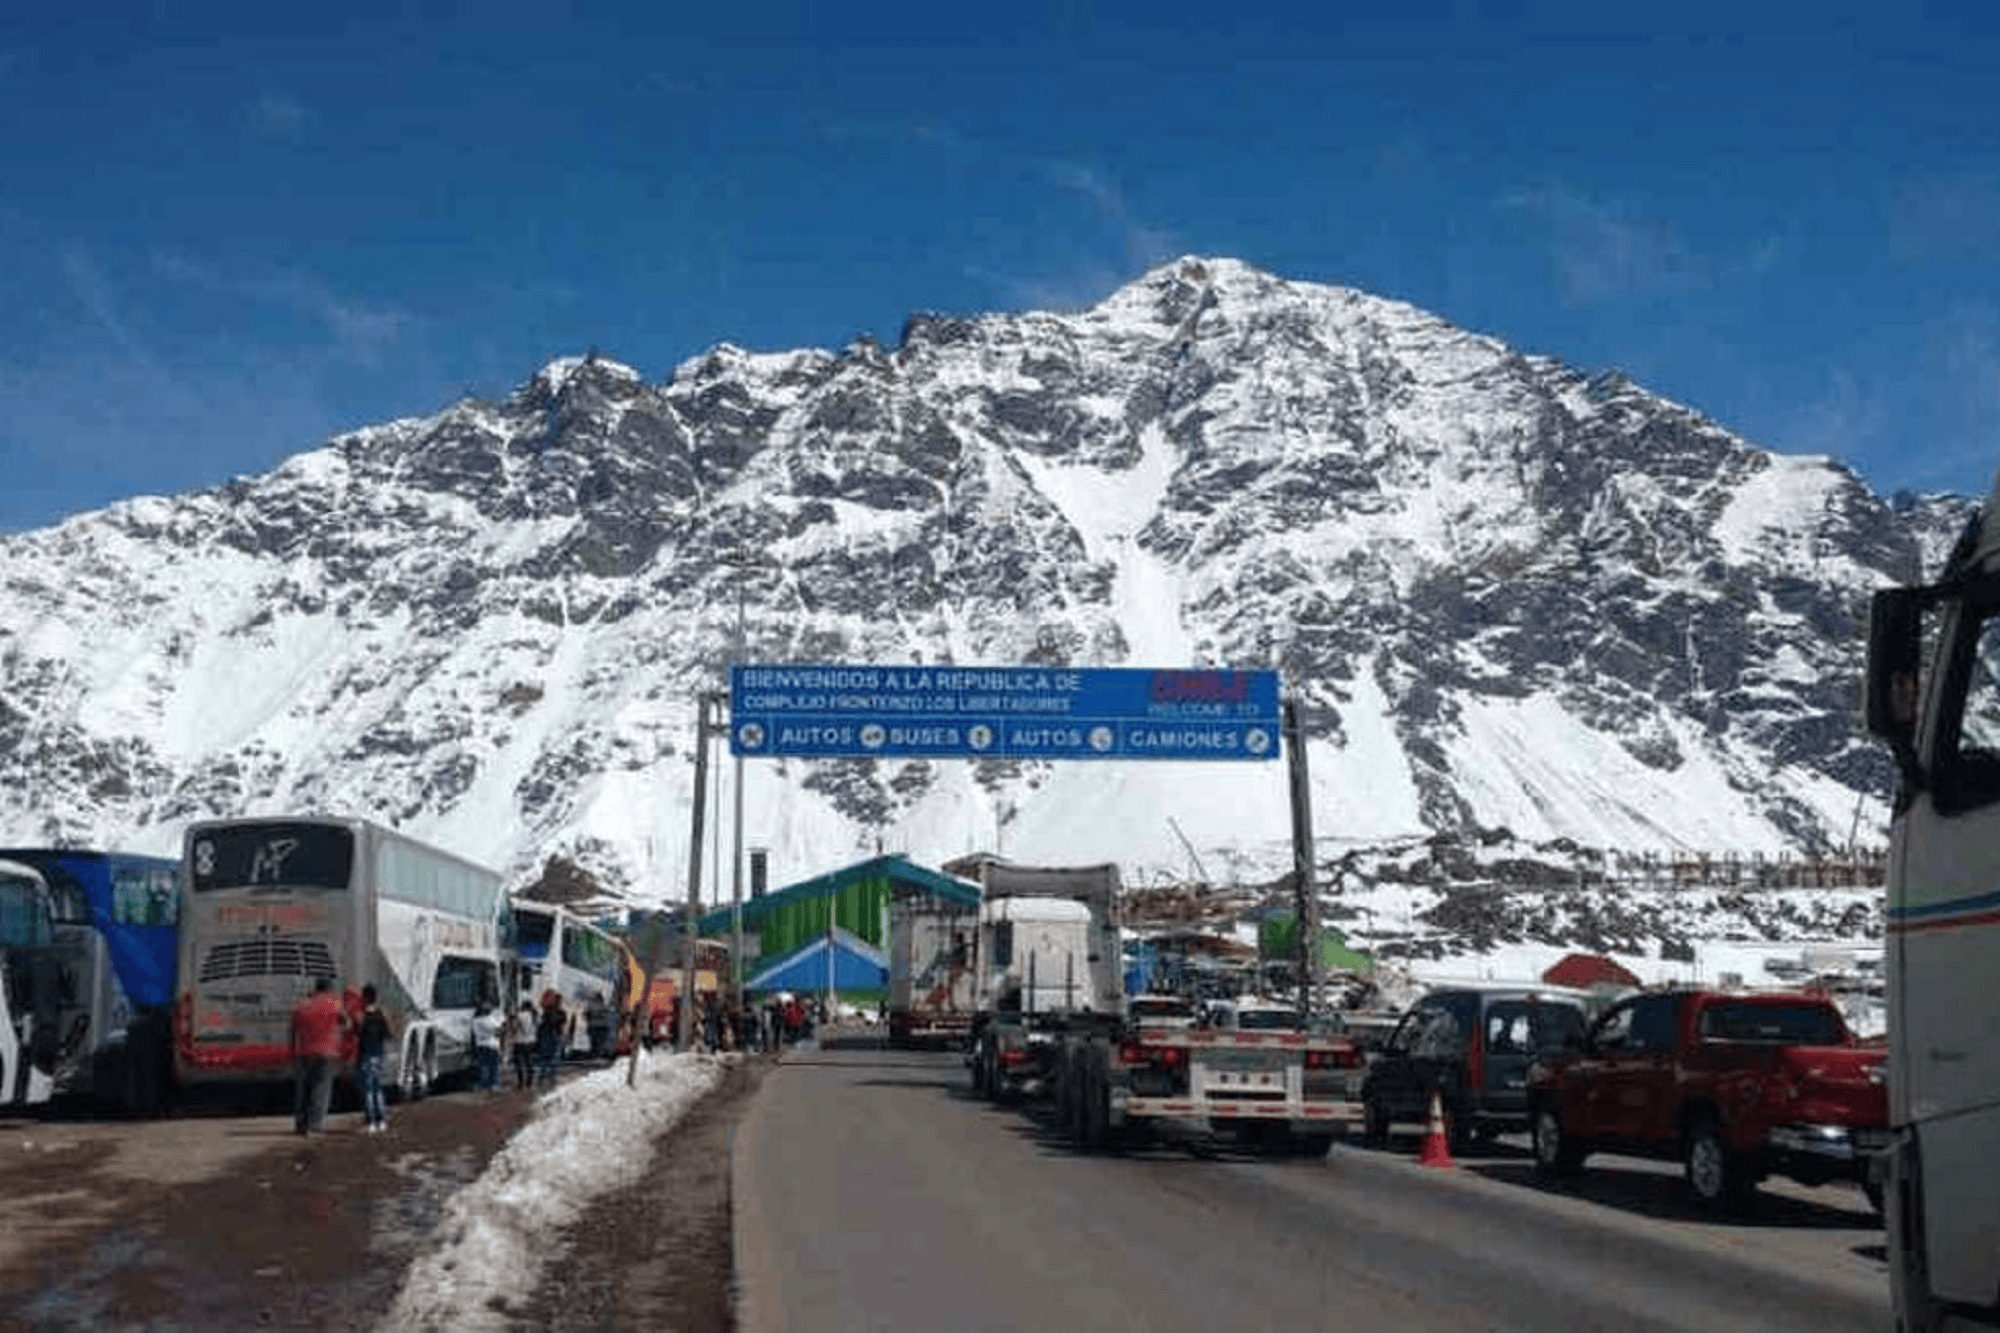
(910, 712)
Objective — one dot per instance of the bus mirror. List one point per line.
(1894, 648)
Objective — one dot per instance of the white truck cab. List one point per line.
(1933, 694)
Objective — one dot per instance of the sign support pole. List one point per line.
(1305, 908)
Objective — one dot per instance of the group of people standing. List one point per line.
(321, 1025)
(324, 1023)
(534, 1037)
(718, 1025)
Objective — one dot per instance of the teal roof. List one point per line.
(898, 870)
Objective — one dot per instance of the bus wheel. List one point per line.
(415, 1082)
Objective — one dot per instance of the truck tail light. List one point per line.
(1340, 1057)
(1163, 1057)
(1015, 1055)
(183, 1025)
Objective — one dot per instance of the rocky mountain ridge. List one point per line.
(1508, 594)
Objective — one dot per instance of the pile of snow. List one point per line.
(588, 1138)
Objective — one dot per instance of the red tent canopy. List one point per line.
(1584, 970)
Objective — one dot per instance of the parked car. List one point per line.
(1737, 1086)
(1471, 1046)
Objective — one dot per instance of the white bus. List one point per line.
(588, 966)
(271, 905)
(30, 988)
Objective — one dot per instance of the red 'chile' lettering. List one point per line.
(1215, 687)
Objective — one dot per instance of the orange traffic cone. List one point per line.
(1437, 1144)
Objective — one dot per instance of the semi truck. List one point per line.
(1054, 1017)
(931, 975)
(1932, 694)
(1048, 967)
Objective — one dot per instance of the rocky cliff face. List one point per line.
(1509, 593)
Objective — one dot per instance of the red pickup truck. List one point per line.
(1739, 1087)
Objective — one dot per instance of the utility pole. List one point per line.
(1305, 896)
(690, 928)
(736, 852)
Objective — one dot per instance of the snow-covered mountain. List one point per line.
(1509, 594)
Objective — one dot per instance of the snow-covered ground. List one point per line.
(589, 1137)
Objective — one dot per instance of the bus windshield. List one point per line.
(533, 931)
(24, 911)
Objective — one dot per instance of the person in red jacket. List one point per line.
(319, 1029)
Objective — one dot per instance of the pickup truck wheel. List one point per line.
(1457, 1134)
(1715, 1171)
(1556, 1154)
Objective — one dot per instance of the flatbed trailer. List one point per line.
(1257, 1086)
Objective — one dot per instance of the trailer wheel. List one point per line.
(1100, 1100)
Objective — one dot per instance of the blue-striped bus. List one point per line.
(114, 920)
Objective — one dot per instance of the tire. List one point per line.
(980, 1087)
(1717, 1174)
(413, 1081)
(1095, 1087)
(1070, 1098)
(1872, 1189)
(1374, 1123)
(1457, 1133)
(1556, 1153)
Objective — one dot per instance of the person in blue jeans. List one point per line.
(375, 1036)
(486, 1045)
(550, 1032)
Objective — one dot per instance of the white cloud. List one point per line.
(1604, 247)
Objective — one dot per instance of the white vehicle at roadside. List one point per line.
(1933, 694)
(31, 1001)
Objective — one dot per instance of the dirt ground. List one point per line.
(221, 1217)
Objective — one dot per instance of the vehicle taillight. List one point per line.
(1015, 1055)
(1166, 1057)
(1340, 1057)
(184, 1024)
(1475, 1061)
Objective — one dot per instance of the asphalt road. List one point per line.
(872, 1191)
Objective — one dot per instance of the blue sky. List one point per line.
(227, 232)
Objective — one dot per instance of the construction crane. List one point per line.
(1194, 856)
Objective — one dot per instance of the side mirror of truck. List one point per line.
(1895, 645)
